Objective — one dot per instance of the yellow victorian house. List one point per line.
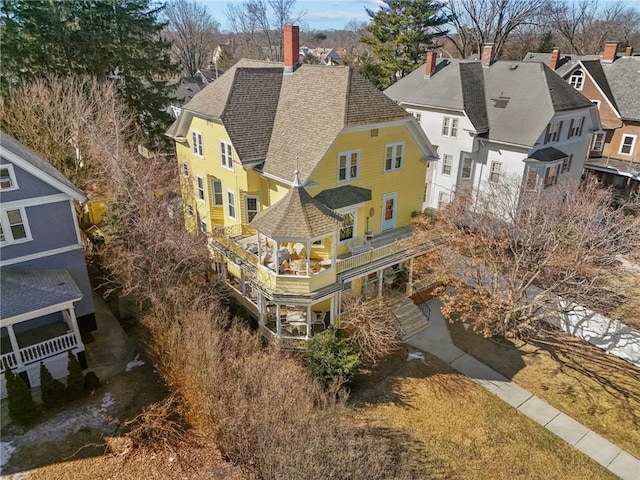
(303, 178)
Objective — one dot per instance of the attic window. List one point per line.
(374, 132)
(7, 178)
(577, 79)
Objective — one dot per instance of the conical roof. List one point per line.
(297, 215)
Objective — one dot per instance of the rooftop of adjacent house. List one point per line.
(498, 100)
(297, 215)
(185, 89)
(34, 159)
(277, 117)
(618, 80)
(24, 291)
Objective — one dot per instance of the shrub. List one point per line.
(53, 391)
(331, 359)
(22, 408)
(75, 378)
(91, 382)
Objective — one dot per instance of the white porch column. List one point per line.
(308, 245)
(14, 346)
(70, 313)
(278, 322)
(308, 334)
(334, 241)
(259, 248)
(261, 308)
(380, 280)
(332, 310)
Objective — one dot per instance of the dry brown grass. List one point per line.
(598, 390)
(627, 284)
(463, 431)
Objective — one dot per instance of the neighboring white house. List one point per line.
(490, 120)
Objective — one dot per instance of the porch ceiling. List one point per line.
(24, 291)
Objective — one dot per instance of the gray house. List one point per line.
(46, 304)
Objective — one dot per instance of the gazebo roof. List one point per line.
(297, 215)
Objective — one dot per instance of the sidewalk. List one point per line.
(437, 341)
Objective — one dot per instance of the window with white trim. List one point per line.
(204, 228)
(551, 175)
(449, 127)
(447, 161)
(216, 190)
(196, 143)
(231, 204)
(226, 154)
(466, 167)
(7, 178)
(566, 163)
(444, 198)
(531, 182)
(348, 165)
(627, 144)
(393, 156)
(14, 227)
(495, 172)
(185, 169)
(200, 187)
(598, 142)
(575, 127)
(252, 207)
(577, 79)
(347, 231)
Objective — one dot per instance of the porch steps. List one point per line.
(411, 318)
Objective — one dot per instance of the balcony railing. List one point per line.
(40, 351)
(367, 257)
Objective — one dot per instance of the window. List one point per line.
(577, 79)
(190, 210)
(496, 172)
(203, 226)
(374, 132)
(251, 207)
(626, 147)
(444, 199)
(348, 224)
(447, 161)
(566, 163)
(575, 127)
(226, 154)
(551, 175)
(449, 127)
(231, 204)
(393, 156)
(553, 132)
(185, 169)
(596, 103)
(598, 142)
(216, 188)
(200, 185)
(196, 140)
(417, 115)
(531, 182)
(348, 165)
(467, 168)
(14, 226)
(7, 178)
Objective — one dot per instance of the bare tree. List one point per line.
(193, 32)
(584, 26)
(508, 273)
(477, 22)
(259, 25)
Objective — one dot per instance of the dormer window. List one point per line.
(7, 178)
(577, 79)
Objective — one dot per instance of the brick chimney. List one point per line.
(487, 55)
(291, 47)
(430, 66)
(628, 52)
(555, 58)
(609, 54)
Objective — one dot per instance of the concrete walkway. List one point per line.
(436, 341)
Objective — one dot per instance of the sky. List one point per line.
(319, 14)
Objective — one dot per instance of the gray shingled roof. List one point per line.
(36, 160)
(185, 89)
(297, 215)
(24, 291)
(343, 196)
(513, 100)
(316, 103)
(618, 80)
(548, 154)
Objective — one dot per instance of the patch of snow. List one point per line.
(415, 356)
(136, 362)
(107, 401)
(6, 450)
(465, 326)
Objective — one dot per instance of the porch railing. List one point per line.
(39, 351)
(367, 257)
(8, 359)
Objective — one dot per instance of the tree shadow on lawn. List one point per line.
(381, 383)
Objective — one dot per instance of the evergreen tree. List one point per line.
(22, 408)
(75, 378)
(331, 359)
(400, 34)
(546, 43)
(116, 40)
(52, 390)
